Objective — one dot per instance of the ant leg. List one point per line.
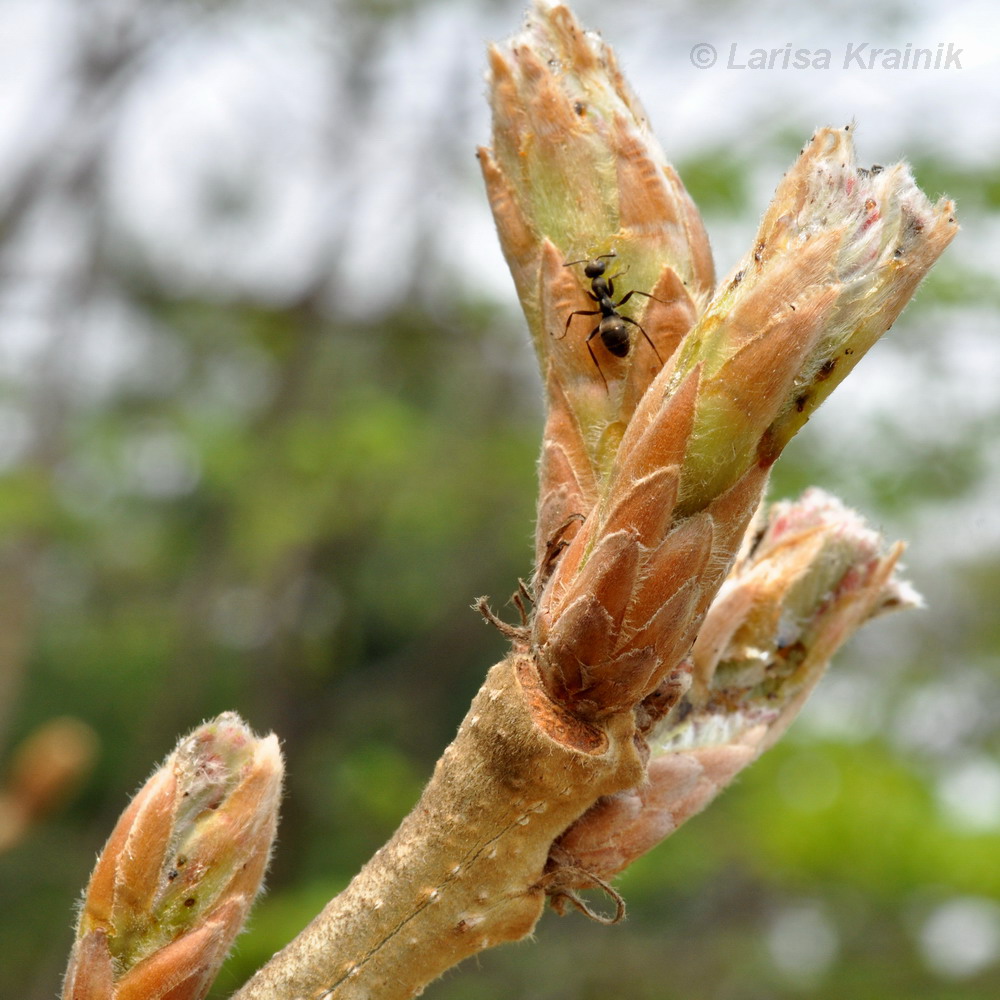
(635, 291)
(579, 312)
(593, 357)
(646, 335)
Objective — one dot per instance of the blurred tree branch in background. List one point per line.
(57, 184)
(193, 456)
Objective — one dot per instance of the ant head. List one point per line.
(592, 268)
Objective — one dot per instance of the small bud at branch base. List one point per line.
(178, 875)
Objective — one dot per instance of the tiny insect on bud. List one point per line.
(620, 608)
(575, 176)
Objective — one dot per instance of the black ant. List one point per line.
(612, 328)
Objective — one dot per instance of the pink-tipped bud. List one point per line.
(838, 255)
(806, 581)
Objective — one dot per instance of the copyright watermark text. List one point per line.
(855, 55)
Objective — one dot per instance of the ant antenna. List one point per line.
(587, 260)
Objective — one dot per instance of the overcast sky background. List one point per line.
(249, 92)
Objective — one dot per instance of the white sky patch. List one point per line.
(803, 942)
(160, 464)
(849, 707)
(942, 716)
(961, 937)
(692, 106)
(35, 40)
(216, 165)
(968, 794)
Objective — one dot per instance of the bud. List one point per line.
(828, 274)
(46, 768)
(805, 582)
(178, 875)
(649, 475)
(838, 255)
(575, 173)
(664, 421)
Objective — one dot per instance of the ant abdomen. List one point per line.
(615, 336)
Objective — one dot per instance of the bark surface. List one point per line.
(466, 870)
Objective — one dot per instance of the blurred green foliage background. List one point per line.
(274, 482)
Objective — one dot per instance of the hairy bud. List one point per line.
(807, 580)
(178, 875)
